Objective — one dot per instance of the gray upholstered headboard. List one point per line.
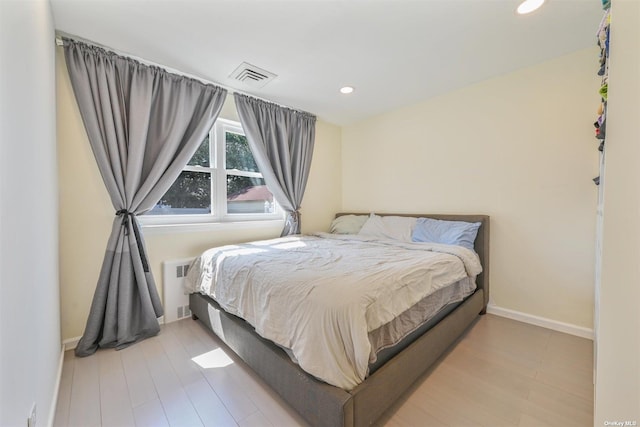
(481, 244)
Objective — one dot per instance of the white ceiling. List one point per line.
(394, 52)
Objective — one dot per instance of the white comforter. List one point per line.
(320, 295)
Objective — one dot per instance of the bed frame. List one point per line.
(324, 405)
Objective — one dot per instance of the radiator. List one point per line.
(176, 298)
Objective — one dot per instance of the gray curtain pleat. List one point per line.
(144, 124)
(281, 141)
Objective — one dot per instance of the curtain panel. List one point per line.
(144, 124)
(281, 141)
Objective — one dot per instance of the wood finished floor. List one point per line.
(500, 373)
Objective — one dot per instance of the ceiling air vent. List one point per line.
(252, 75)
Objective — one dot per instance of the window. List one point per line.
(220, 183)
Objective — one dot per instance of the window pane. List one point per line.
(238, 153)
(201, 156)
(189, 195)
(248, 195)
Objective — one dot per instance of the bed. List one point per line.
(356, 399)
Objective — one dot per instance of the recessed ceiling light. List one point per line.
(528, 6)
(346, 89)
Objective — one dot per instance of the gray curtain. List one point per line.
(143, 124)
(281, 141)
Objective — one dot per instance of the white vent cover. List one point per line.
(252, 75)
(176, 298)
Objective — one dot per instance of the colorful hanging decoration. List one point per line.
(603, 42)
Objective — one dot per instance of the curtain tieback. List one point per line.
(293, 217)
(143, 256)
(125, 214)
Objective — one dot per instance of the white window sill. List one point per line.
(149, 228)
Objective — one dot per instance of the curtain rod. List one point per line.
(60, 42)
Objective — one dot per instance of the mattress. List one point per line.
(393, 337)
(332, 300)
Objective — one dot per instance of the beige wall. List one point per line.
(618, 332)
(519, 148)
(86, 213)
(323, 196)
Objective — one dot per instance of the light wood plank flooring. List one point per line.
(500, 373)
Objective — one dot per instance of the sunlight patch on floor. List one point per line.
(213, 359)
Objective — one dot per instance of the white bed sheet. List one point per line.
(320, 296)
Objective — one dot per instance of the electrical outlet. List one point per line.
(31, 421)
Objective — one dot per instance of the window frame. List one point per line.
(218, 182)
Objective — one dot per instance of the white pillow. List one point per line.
(389, 227)
(348, 224)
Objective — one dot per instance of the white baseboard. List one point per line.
(56, 390)
(555, 325)
(71, 343)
